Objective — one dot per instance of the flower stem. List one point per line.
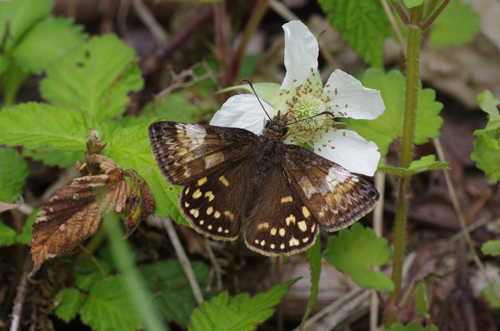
(411, 102)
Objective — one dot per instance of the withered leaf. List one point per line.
(4, 206)
(75, 212)
(142, 202)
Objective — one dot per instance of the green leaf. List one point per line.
(355, 250)
(108, 306)
(21, 16)
(67, 302)
(96, 76)
(13, 174)
(362, 23)
(426, 163)
(47, 42)
(421, 302)
(7, 235)
(37, 124)
(4, 64)
(491, 247)
(25, 236)
(491, 296)
(90, 271)
(54, 157)
(389, 126)
(13, 79)
(413, 3)
(237, 313)
(314, 258)
(174, 297)
(456, 25)
(174, 107)
(269, 92)
(412, 326)
(488, 104)
(130, 148)
(487, 153)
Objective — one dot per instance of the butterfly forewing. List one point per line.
(336, 197)
(188, 152)
(280, 222)
(214, 205)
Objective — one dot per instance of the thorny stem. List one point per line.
(400, 12)
(429, 20)
(412, 85)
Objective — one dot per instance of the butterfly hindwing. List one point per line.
(336, 197)
(188, 152)
(214, 205)
(280, 223)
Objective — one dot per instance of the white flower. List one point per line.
(302, 95)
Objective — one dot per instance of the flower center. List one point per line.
(305, 108)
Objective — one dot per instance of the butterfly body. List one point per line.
(286, 191)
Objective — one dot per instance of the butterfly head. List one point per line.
(277, 126)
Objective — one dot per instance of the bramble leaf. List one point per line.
(96, 77)
(413, 3)
(426, 163)
(237, 313)
(37, 124)
(130, 148)
(7, 235)
(491, 296)
(47, 42)
(4, 206)
(109, 307)
(174, 107)
(389, 126)
(487, 153)
(25, 236)
(491, 247)
(355, 250)
(141, 202)
(74, 212)
(13, 174)
(175, 299)
(22, 15)
(456, 25)
(67, 302)
(89, 271)
(363, 23)
(421, 302)
(412, 326)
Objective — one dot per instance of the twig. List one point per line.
(186, 78)
(167, 223)
(92, 257)
(394, 26)
(215, 264)
(378, 218)
(22, 288)
(461, 218)
(150, 22)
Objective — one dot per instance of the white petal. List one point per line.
(362, 102)
(351, 151)
(301, 54)
(243, 111)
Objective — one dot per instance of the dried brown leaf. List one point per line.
(4, 206)
(142, 202)
(75, 212)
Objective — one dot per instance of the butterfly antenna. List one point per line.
(258, 99)
(308, 118)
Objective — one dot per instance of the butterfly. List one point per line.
(285, 190)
